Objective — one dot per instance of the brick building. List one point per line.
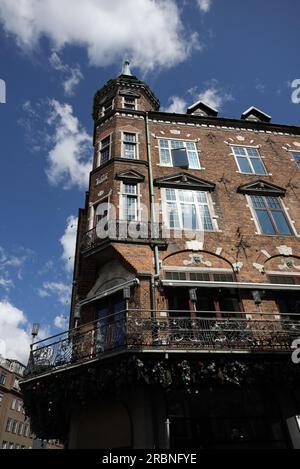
(186, 293)
(15, 430)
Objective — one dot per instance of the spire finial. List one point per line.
(126, 68)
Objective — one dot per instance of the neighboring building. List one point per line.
(15, 430)
(182, 322)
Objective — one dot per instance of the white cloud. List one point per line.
(177, 105)
(11, 266)
(68, 242)
(150, 32)
(61, 322)
(70, 155)
(58, 289)
(15, 337)
(213, 95)
(204, 5)
(6, 283)
(72, 75)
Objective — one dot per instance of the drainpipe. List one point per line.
(152, 210)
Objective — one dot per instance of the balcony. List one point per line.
(138, 331)
(124, 231)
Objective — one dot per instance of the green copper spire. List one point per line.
(126, 68)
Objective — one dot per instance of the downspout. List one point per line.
(152, 211)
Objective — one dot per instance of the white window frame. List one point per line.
(248, 157)
(99, 151)
(257, 224)
(13, 404)
(294, 159)
(124, 102)
(184, 143)
(93, 208)
(136, 145)
(104, 111)
(123, 198)
(195, 202)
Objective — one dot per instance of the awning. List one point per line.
(110, 291)
(239, 285)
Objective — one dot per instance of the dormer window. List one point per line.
(129, 102)
(296, 156)
(178, 153)
(248, 160)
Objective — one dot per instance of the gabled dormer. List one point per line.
(262, 188)
(256, 115)
(202, 109)
(125, 92)
(184, 181)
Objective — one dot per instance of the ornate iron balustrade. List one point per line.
(139, 331)
(123, 230)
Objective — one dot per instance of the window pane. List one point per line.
(186, 196)
(265, 222)
(177, 144)
(129, 137)
(258, 201)
(173, 218)
(281, 223)
(239, 151)
(273, 202)
(191, 146)
(253, 152)
(129, 150)
(244, 165)
(258, 166)
(165, 157)
(193, 160)
(206, 218)
(164, 143)
(201, 197)
(105, 142)
(130, 189)
(171, 194)
(130, 208)
(296, 155)
(189, 219)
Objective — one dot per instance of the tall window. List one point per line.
(129, 102)
(9, 424)
(166, 147)
(14, 426)
(13, 404)
(2, 378)
(188, 210)
(296, 155)
(129, 146)
(129, 202)
(1, 398)
(107, 107)
(104, 151)
(270, 215)
(249, 160)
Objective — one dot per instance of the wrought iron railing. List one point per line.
(121, 230)
(168, 331)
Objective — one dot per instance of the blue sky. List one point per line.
(230, 53)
